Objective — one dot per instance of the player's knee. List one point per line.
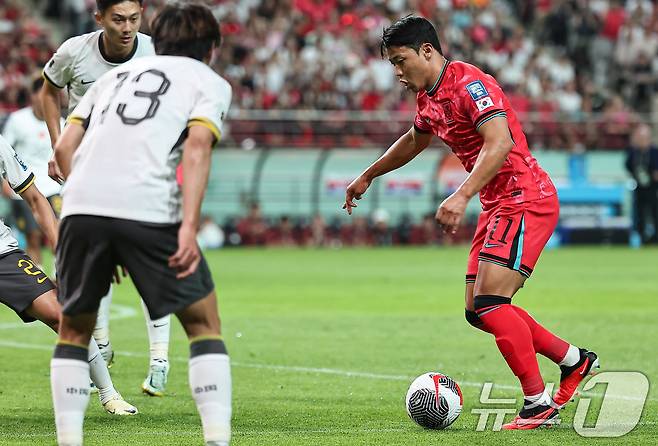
(483, 302)
(473, 318)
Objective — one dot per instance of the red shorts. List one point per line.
(513, 235)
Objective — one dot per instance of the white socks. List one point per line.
(102, 330)
(69, 380)
(210, 383)
(541, 399)
(158, 331)
(99, 373)
(572, 357)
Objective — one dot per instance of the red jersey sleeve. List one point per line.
(481, 99)
(421, 125)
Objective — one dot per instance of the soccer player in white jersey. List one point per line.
(122, 206)
(26, 131)
(76, 65)
(27, 290)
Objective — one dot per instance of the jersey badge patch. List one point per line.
(477, 90)
(20, 162)
(448, 116)
(484, 103)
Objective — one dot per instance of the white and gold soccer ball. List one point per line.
(434, 400)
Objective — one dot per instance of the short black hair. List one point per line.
(185, 29)
(37, 83)
(410, 31)
(103, 5)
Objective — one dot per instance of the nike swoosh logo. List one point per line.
(490, 245)
(86, 83)
(582, 372)
(158, 326)
(42, 280)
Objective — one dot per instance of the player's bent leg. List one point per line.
(469, 312)
(493, 291)
(46, 309)
(102, 328)
(158, 332)
(110, 398)
(209, 369)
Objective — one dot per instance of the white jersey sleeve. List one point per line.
(82, 112)
(59, 69)
(13, 169)
(211, 105)
(10, 132)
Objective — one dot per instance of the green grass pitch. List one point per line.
(324, 344)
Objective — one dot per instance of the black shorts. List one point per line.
(90, 247)
(23, 214)
(21, 281)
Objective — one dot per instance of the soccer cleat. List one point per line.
(155, 382)
(538, 416)
(92, 387)
(572, 376)
(118, 406)
(107, 353)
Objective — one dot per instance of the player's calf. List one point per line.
(210, 383)
(69, 379)
(209, 369)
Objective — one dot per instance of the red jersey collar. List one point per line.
(437, 84)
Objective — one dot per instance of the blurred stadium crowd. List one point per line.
(580, 73)
(558, 60)
(254, 229)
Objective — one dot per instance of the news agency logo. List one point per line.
(619, 397)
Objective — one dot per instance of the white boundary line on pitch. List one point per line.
(117, 312)
(296, 432)
(320, 370)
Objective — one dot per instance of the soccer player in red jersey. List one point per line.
(467, 109)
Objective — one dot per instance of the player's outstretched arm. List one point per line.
(497, 144)
(43, 213)
(406, 148)
(67, 144)
(196, 168)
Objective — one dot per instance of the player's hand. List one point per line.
(119, 271)
(186, 259)
(354, 191)
(451, 212)
(53, 170)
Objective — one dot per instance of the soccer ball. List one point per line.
(434, 400)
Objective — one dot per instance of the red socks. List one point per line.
(544, 342)
(514, 338)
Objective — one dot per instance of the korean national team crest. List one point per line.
(480, 95)
(446, 105)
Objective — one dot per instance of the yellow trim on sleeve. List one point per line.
(207, 124)
(75, 120)
(24, 188)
